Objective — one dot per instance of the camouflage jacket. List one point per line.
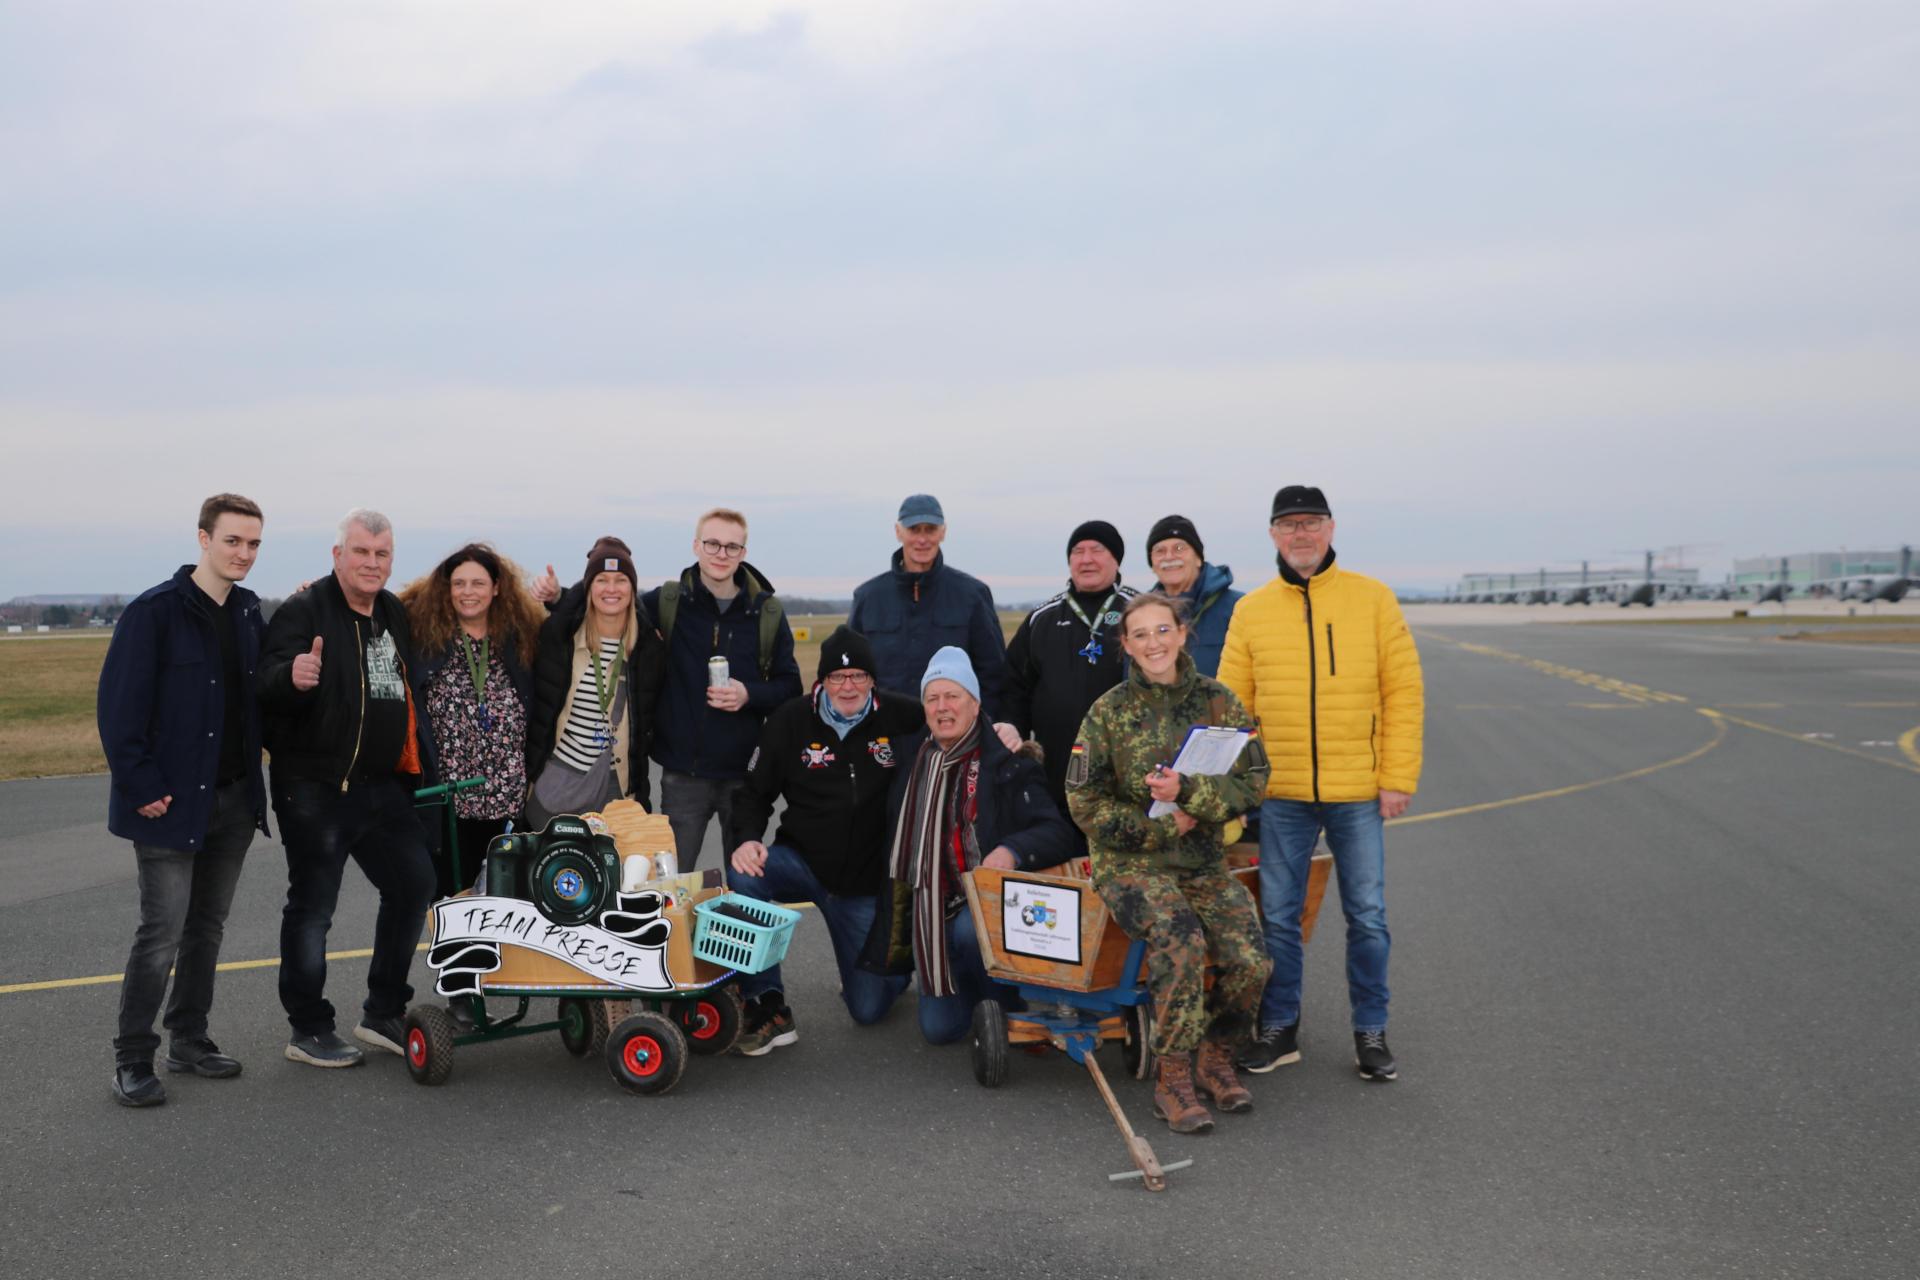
(1131, 728)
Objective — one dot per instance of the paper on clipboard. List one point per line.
(1207, 750)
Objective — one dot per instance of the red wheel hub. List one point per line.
(641, 1055)
(705, 1022)
(416, 1046)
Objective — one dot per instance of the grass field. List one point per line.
(47, 686)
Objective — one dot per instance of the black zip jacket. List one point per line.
(644, 670)
(836, 791)
(1054, 684)
(318, 734)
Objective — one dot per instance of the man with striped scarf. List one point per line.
(966, 801)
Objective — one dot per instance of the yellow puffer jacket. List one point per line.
(1330, 672)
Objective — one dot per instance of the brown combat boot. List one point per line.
(1213, 1076)
(1173, 1099)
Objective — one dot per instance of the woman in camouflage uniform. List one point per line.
(1165, 879)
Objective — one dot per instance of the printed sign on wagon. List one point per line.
(1040, 920)
(467, 928)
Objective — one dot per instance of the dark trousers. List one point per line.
(690, 803)
(374, 824)
(184, 898)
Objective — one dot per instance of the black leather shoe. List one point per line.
(202, 1057)
(135, 1085)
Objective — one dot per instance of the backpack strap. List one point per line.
(669, 607)
(771, 612)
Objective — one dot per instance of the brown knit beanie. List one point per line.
(610, 555)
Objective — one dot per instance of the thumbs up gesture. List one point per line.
(546, 587)
(306, 668)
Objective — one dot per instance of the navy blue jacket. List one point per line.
(907, 616)
(161, 706)
(688, 735)
(1209, 608)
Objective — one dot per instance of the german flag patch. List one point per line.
(1078, 766)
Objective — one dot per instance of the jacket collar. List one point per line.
(903, 576)
(752, 583)
(189, 589)
(1323, 574)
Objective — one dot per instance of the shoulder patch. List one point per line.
(1078, 767)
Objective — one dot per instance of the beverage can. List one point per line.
(717, 674)
(665, 865)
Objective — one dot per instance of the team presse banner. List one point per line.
(628, 948)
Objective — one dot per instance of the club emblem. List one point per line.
(881, 749)
(815, 756)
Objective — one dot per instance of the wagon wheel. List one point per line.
(712, 1019)
(430, 1033)
(990, 1044)
(1136, 1051)
(578, 1024)
(647, 1053)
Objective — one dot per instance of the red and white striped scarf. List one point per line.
(936, 827)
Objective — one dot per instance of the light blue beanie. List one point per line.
(952, 663)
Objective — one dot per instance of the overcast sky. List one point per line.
(1517, 283)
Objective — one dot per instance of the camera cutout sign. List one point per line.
(1040, 920)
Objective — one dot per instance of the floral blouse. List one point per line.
(494, 748)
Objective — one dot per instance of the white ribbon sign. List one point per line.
(469, 932)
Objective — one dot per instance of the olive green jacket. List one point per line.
(1131, 728)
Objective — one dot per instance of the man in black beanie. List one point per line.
(1178, 560)
(1067, 652)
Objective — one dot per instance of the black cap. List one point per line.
(1101, 532)
(1299, 500)
(1175, 527)
(845, 648)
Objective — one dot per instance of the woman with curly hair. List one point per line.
(474, 629)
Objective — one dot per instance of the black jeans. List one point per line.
(374, 824)
(690, 803)
(184, 899)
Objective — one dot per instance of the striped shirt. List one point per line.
(587, 734)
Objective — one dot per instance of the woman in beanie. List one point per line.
(474, 629)
(596, 672)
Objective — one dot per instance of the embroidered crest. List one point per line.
(1078, 766)
(881, 749)
(815, 756)
(1112, 618)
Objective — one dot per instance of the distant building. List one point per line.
(1813, 566)
(1475, 584)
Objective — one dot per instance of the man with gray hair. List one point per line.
(336, 704)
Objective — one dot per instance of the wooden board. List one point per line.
(1103, 944)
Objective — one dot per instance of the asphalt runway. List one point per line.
(1654, 1008)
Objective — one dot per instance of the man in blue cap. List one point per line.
(923, 604)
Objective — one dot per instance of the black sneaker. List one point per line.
(1371, 1055)
(1273, 1047)
(323, 1050)
(202, 1057)
(769, 1026)
(383, 1033)
(135, 1085)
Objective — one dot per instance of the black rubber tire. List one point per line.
(647, 1053)
(712, 1019)
(578, 1022)
(1136, 1050)
(429, 1047)
(989, 1044)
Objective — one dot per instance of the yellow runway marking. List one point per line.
(1755, 706)
(1910, 744)
(1906, 745)
(1608, 706)
(1719, 736)
(1605, 684)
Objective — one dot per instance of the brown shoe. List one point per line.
(1213, 1076)
(1173, 1099)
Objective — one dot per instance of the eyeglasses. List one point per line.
(849, 680)
(1306, 524)
(728, 549)
(1139, 634)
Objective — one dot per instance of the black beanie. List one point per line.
(843, 649)
(1175, 527)
(1101, 532)
(610, 555)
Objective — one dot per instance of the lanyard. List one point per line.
(477, 666)
(607, 683)
(1093, 648)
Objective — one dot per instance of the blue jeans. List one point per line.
(374, 824)
(184, 899)
(849, 917)
(945, 1019)
(1356, 834)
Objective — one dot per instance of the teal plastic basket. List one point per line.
(750, 946)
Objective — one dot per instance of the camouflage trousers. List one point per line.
(1184, 917)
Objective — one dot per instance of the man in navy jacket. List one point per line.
(181, 734)
(922, 604)
(704, 733)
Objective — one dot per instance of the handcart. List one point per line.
(1082, 979)
(645, 974)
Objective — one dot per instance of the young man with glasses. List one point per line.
(707, 722)
(1324, 660)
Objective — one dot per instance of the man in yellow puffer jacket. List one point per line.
(1324, 660)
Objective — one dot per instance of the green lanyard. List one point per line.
(477, 666)
(1093, 649)
(607, 684)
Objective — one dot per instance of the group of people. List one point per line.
(925, 747)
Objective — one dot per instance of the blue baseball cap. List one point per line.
(921, 508)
